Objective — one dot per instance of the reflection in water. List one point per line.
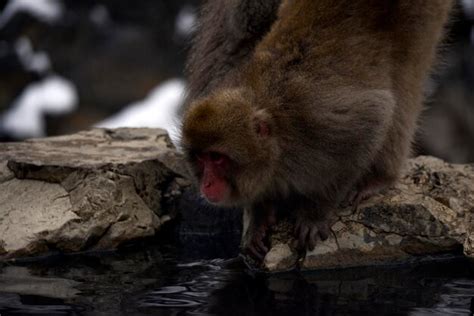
(222, 287)
(16, 304)
(160, 281)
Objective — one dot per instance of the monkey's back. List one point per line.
(321, 54)
(368, 43)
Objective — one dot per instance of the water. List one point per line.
(179, 280)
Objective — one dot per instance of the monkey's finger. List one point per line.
(261, 246)
(323, 231)
(254, 253)
(297, 228)
(303, 236)
(350, 199)
(312, 238)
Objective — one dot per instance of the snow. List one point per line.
(32, 61)
(45, 10)
(52, 95)
(185, 21)
(158, 110)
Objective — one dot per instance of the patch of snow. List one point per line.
(185, 21)
(32, 61)
(45, 10)
(52, 95)
(158, 110)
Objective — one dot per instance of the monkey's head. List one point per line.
(230, 147)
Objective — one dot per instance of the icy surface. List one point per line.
(157, 110)
(52, 95)
(45, 10)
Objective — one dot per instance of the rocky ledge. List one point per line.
(98, 189)
(430, 211)
(93, 190)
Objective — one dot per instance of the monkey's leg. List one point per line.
(388, 162)
(258, 220)
(371, 185)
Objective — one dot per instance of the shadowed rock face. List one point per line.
(91, 190)
(429, 211)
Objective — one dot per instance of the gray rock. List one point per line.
(92, 190)
(430, 210)
(97, 189)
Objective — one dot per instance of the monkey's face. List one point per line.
(228, 143)
(215, 173)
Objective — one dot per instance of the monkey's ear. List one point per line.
(262, 123)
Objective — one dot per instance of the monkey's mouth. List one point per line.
(227, 200)
(217, 202)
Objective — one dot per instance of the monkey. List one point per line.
(321, 113)
(226, 34)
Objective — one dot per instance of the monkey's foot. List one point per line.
(308, 231)
(371, 188)
(257, 246)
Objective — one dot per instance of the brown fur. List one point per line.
(340, 84)
(227, 33)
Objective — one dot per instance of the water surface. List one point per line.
(209, 280)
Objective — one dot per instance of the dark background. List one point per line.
(114, 52)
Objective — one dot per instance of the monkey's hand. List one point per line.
(308, 229)
(254, 243)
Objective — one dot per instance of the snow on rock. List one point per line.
(158, 109)
(32, 61)
(52, 95)
(45, 10)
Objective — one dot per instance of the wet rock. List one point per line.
(430, 211)
(91, 190)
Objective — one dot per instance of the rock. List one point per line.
(98, 189)
(92, 190)
(429, 211)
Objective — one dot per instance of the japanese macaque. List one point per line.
(321, 113)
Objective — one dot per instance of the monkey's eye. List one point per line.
(212, 156)
(216, 158)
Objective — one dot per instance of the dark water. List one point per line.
(172, 280)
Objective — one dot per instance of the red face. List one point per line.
(213, 183)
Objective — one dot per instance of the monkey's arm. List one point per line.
(258, 220)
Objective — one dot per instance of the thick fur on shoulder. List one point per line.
(226, 36)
